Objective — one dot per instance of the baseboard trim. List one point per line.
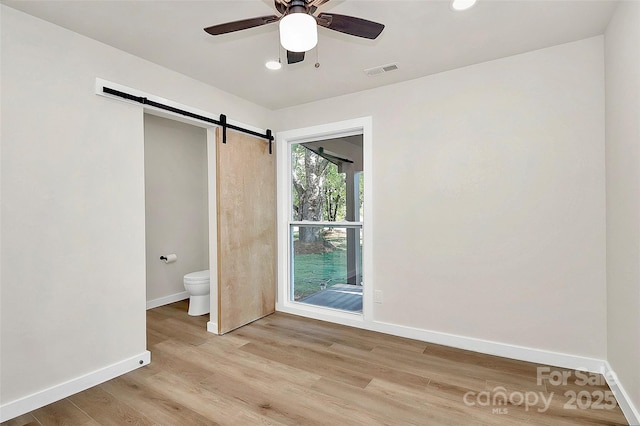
(505, 350)
(172, 298)
(212, 327)
(631, 413)
(39, 399)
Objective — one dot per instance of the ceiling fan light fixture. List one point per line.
(298, 32)
(462, 4)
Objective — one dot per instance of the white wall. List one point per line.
(489, 198)
(176, 204)
(73, 243)
(622, 47)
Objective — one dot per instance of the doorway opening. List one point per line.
(176, 206)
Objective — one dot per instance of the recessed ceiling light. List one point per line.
(273, 65)
(462, 4)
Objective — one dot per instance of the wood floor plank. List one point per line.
(497, 370)
(456, 374)
(435, 410)
(219, 408)
(243, 363)
(106, 410)
(294, 358)
(62, 412)
(24, 420)
(282, 401)
(379, 407)
(175, 329)
(288, 370)
(354, 364)
(155, 406)
(257, 331)
(263, 397)
(154, 337)
(346, 335)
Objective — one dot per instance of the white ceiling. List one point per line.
(422, 36)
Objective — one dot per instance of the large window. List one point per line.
(325, 227)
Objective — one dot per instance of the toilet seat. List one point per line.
(198, 277)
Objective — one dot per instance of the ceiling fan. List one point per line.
(298, 26)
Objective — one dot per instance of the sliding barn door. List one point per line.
(246, 190)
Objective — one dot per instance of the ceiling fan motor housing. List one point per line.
(297, 6)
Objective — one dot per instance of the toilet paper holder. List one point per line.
(168, 258)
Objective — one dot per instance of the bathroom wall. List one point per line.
(176, 205)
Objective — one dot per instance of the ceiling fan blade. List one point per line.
(243, 24)
(350, 25)
(294, 57)
(280, 7)
(315, 4)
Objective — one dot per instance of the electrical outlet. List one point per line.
(377, 296)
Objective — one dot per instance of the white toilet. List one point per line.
(197, 285)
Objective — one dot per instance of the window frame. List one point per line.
(285, 140)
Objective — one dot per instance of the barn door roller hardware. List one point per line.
(222, 122)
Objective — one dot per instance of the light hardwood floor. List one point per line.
(285, 369)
